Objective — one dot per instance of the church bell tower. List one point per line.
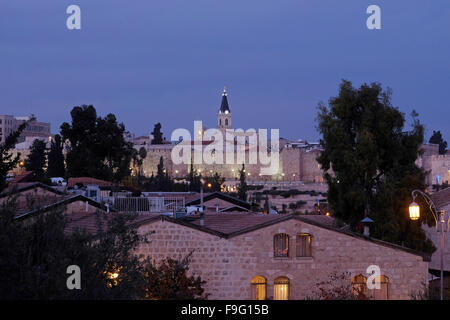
(224, 115)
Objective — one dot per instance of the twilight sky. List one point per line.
(168, 60)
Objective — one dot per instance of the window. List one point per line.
(220, 122)
(226, 122)
(359, 287)
(382, 293)
(281, 245)
(259, 288)
(281, 288)
(303, 245)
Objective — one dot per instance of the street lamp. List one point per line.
(414, 214)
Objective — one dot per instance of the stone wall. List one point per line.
(228, 265)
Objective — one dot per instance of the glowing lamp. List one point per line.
(414, 211)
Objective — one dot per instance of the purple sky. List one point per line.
(168, 60)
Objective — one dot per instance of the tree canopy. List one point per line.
(369, 162)
(242, 186)
(35, 255)
(36, 160)
(7, 160)
(96, 146)
(55, 166)
(157, 134)
(436, 138)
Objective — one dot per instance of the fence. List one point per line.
(147, 204)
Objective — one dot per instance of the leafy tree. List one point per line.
(7, 161)
(36, 159)
(169, 280)
(436, 138)
(34, 257)
(373, 163)
(55, 166)
(242, 186)
(157, 134)
(194, 179)
(162, 181)
(138, 159)
(97, 147)
(214, 183)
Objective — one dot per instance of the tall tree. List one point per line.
(214, 183)
(55, 165)
(97, 147)
(169, 280)
(37, 158)
(157, 134)
(7, 161)
(194, 179)
(373, 163)
(436, 138)
(242, 186)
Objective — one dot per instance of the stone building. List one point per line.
(442, 201)
(252, 256)
(437, 165)
(297, 161)
(9, 124)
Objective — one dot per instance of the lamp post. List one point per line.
(414, 214)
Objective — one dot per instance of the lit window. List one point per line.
(303, 245)
(281, 245)
(258, 288)
(359, 287)
(281, 288)
(382, 293)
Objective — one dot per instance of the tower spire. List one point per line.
(224, 105)
(224, 115)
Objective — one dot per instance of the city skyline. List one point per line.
(168, 62)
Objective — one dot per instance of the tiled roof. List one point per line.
(229, 223)
(22, 177)
(95, 223)
(57, 202)
(195, 200)
(89, 181)
(23, 186)
(441, 198)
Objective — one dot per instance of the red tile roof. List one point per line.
(89, 181)
(95, 223)
(21, 177)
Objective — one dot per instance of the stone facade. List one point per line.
(228, 264)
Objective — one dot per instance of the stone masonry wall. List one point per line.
(228, 265)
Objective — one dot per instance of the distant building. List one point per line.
(9, 124)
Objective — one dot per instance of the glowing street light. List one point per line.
(414, 211)
(414, 214)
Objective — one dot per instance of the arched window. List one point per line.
(259, 288)
(303, 245)
(382, 293)
(281, 288)
(359, 287)
(226, 122)
(220, 122)
(281, 245)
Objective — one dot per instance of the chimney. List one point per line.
(202, 218)
(366, 223)
(201, 198)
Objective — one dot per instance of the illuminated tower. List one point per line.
(224, 115)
